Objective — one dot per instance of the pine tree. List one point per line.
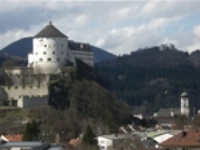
(89, 136)
(31, 131)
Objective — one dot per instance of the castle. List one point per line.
(52, 52)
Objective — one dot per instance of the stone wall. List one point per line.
(17, 91)
(26, 101)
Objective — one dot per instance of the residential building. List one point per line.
(83, 52)
(186, 140)
(107, 142)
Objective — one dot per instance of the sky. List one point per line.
(119, 27)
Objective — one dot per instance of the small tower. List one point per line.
(50, 48)
(185, 104)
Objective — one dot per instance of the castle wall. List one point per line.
(25, 101)
(25, 76)
(49, 54)
(16, 92)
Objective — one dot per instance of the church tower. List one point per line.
(50, 50)
(185, 104)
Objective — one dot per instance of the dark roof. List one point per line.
(167, 112)
(50, 31)
(74, 46)
(25, 144)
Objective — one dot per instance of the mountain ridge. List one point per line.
(143, 77)
(22, 47)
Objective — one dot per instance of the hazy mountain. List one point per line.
(24, 46)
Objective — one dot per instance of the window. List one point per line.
(49, 59)
(45, 45)
(62, 53)
(44, 53)
(53, 53)
(41, 59)
(36, 53)
(58, 59)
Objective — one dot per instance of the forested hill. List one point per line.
(155, 77)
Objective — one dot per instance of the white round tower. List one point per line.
(184, 104)
(50, 48)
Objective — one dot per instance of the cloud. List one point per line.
(127, 39)
(82, 19)
(117, 26)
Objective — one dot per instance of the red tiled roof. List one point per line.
(184, 139)
(75, 142)
(14, 138)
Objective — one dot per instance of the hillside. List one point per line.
(79, 95)
(154, 77)
(23, 46)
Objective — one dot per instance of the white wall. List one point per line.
(15, 92)
(49, 54)
(104, 144)
(85, 56)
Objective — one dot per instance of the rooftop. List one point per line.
(115, 136)
(79, 46)
(50, 31)
(24, 144)
(184, 139)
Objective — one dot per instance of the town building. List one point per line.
(166, 116)
(186, 140)
(107, 142)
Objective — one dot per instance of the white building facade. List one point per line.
(185, 110)
(83, 52)
(50, 49)
(109, 142)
